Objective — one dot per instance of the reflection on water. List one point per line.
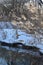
(3, 61)
(14, 58)
(19, 58)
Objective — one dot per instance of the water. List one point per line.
(3, 61)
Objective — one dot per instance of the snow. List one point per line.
(40, 46)
(42, 0)
(8, 34)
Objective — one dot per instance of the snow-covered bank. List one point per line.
(10, 35)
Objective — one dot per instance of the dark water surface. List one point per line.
(19, 57)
